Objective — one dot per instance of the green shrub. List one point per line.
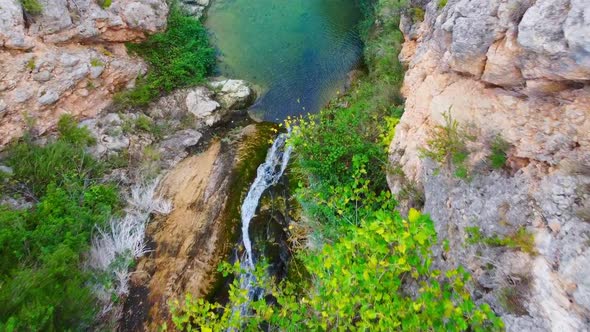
(448, 146)
(32, 7)
(95, 62)
(59, 162)
(358, 284)
(144, 123)
(521, 239)
(417, 14)
(441, 4)
(148, 125)
(68, 130)
(340, 154)
(104, 4)
(31, 64)
(42, 285)
(499, 152)
(177, 58)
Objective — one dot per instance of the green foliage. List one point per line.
(95, 62)
(60, 162)
(144, 123)
(340, 154)
(179, 57)
(385, 70)
(499, 152)
(441, 4)
(372, 271)
(448, 146)
(32, 7)
(104, 4)
(417, 14)
(42, 285)
(69, 131)
(521, 239)
(359, 284)
(118, 160)
(31, 64)
(148, 125)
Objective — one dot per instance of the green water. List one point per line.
(298, 52)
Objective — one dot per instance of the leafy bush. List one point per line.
(60, 162)
(340, 154)
(521, 239)
(104, 4)
(42, 285)
(31, 64)
(448, 146)
(499, 152)
(68, 130)
(441, 4)
(179, 57)
(32, 7)
(359, 283)
(95, 62)
(417, 14)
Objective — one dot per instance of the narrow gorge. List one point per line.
(295, 165)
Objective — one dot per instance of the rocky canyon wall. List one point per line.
(518, 69)
(70, 58)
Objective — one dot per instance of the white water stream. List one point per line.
(268, 174)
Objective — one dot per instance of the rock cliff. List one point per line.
(519, 70)
(70, 58)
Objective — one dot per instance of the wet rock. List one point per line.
(192, 240)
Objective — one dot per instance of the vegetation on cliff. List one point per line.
(179, 57)
(42, 284)
(367, 266)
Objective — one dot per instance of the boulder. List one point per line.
(233, 94)
(194, 7)
(12, 30)
(200, 103)
(173, 148)
(48, 97)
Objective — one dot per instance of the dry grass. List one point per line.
(115, 247)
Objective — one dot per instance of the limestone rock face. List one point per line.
(519, 69)
(194, 238)
(68, 59)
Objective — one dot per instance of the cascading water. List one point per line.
(268, 174)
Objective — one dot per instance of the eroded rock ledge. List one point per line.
(519, 69)
(69, 59)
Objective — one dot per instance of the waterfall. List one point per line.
(268, 174)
